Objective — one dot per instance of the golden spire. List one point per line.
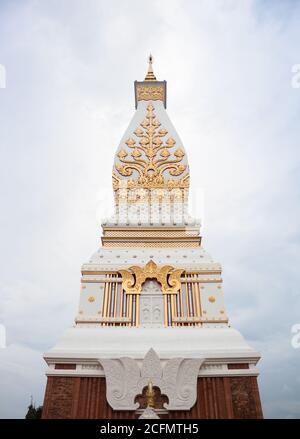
(150, 75)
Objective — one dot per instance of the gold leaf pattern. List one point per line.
(122, 154)
(151, 157)
(147, 93)
(166, 275)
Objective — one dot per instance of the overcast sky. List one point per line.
(70, 67)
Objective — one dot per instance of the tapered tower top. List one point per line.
(151, 167)
(150, 74)
(150, 88)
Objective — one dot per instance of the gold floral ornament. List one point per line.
(146, 93)
(166, 275)
(151, 157)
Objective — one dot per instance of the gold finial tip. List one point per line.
(150, 75)
(150, 395)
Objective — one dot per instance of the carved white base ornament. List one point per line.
(125, 379)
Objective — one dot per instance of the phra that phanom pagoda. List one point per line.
(151, 337)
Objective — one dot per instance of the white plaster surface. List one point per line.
(188, 342)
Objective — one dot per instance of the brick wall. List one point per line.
(218, 398)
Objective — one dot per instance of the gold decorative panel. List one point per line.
(148, 93)
(152, 157)
(166, 275)
(163, 232)
(145, 244)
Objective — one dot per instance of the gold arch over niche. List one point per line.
(166, 275)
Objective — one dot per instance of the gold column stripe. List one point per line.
(187, 299)
(197, 299)
(109, 299)
(172, 309)
(199, 295)
(166, 309)
(105, 300)
(181, 302)
(116, 299)
(177, 309)
(193, 299)
(127, 309)
(122, 302)
(137, 310)
(130, 309)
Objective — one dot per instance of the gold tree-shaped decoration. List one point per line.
(151, 156)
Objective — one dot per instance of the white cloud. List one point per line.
(22, 375)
